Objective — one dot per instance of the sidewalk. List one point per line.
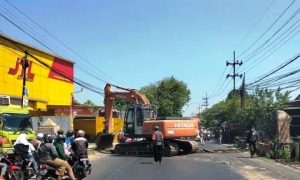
(93, 153)
(213, 147)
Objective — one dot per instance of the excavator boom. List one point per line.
(129, 95)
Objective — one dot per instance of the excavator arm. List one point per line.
(129, 95)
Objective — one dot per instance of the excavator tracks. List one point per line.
(145, 148)
(134, 148)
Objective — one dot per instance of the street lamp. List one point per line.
(72, 108)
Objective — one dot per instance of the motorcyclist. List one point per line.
(22, 145)
(37, 141)
(60, 132)
(68, 142)
(59, 145)
(80, 146)
(3, 166)
(48, 154)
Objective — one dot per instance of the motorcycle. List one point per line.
(81, 166)
(47, 172)
(14, 171)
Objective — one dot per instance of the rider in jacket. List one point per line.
(48, 154)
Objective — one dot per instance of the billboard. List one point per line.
(49, 80)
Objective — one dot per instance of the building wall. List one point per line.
(62, 121)
(45, 86)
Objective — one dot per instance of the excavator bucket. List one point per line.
(104, 141)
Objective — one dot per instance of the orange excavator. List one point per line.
(140, 119)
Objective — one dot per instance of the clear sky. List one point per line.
(137, 42)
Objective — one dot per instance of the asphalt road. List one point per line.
(206, 166)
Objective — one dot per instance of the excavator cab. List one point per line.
(135, 116)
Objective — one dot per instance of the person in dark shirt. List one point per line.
(48, 154)
(252, 138)
(80, 145)
(158, 143)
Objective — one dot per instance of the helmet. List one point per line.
(70, 133)
(80, 133)
(61, 137)
(156, 127)
(40, 136)
(60, 132)
(48, 138)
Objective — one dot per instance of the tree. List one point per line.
(169, 95)
(259, 110)
(89, 103)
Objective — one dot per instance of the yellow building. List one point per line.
(46, 86)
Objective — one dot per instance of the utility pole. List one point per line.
(242, 93)
(205, 101)
(233, 64)
(199, 109)
(24, 63)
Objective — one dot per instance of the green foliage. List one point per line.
(284, 154)
(120, 104)
(259, 110)
(89, 103)
(169, 95)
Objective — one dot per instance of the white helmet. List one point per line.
(80, 133)
(40, 136)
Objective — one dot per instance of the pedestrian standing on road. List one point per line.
(158, 144)
(220, 136)
(252, 138)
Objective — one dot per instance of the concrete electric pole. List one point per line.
(205, 104)
(233, 64)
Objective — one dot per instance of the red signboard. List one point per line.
(61, 70)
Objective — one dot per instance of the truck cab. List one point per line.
(14, 120)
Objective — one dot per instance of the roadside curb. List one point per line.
(93, 153)
(292, 165)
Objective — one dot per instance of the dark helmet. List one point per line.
(60, 132)
(48, 138)
(61, 137)
(69, 133)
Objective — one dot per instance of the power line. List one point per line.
(268, 53)
(266, 29)
(255, 24)
(219, 82)
(75, 80)
(257, 49)
(62, 43)
(277, 69)
(43, 44)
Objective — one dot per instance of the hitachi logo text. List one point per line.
(184, 125)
